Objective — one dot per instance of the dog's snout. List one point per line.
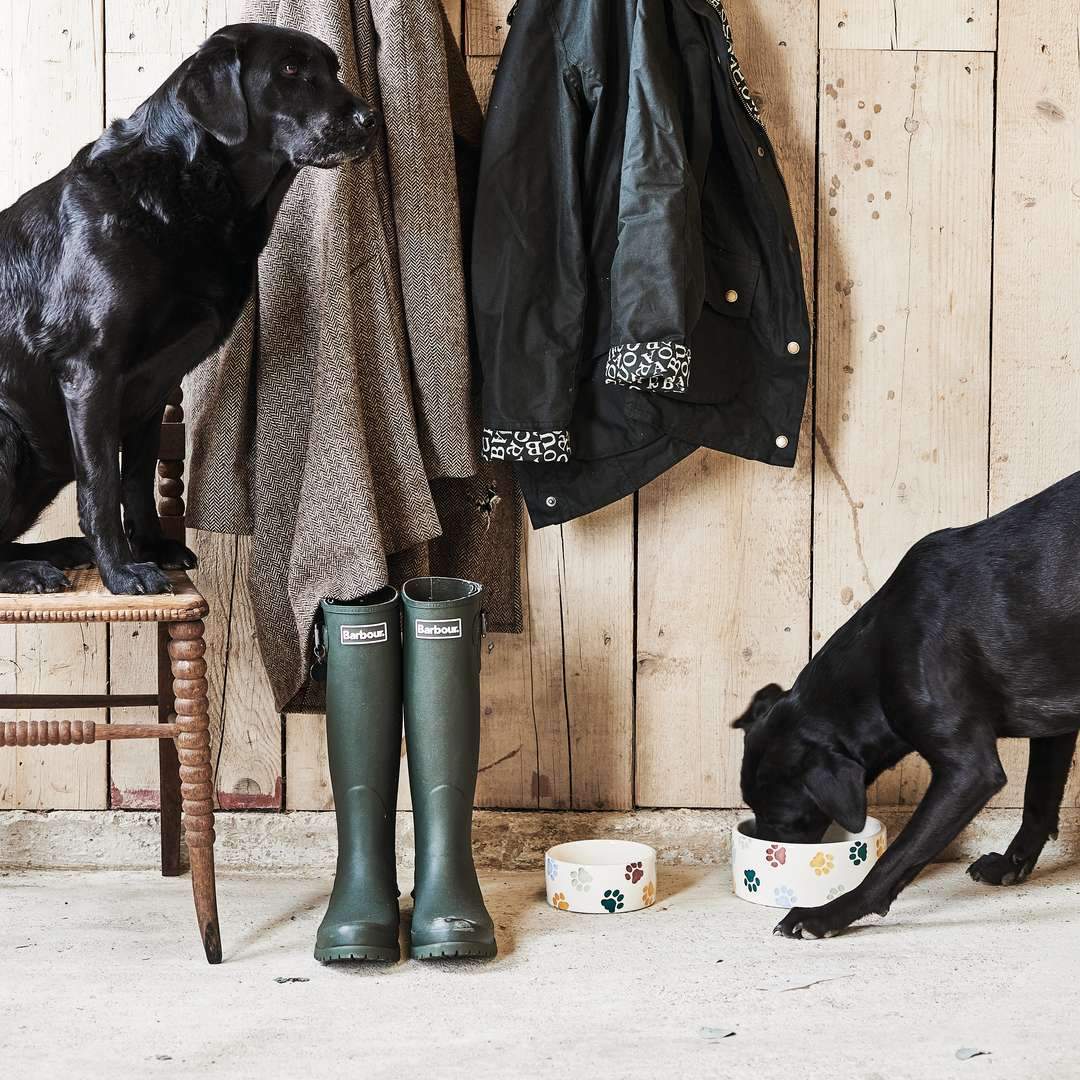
(366, 118)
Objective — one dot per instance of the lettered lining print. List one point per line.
(551, 446)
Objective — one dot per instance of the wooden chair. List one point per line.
(181, 699)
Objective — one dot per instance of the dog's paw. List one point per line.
(998, 869)
(30, 576)
(810, 923)
(168, 554)
(137, 579)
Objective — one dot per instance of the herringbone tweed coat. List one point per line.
(337, 427)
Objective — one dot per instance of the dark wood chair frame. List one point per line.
(183, 727)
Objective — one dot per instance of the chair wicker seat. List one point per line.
(89, 601)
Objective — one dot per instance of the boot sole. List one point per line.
(358, 952)
(446, 950)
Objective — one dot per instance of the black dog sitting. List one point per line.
(123, 272)
(974, 638)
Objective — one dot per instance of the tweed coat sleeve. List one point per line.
(414, 78)
(529, 260)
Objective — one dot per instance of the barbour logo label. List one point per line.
(433, 629)
(364, 635)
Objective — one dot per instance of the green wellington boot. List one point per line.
(443, 630)
(363, 741)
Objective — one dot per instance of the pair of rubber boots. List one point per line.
(431, 666)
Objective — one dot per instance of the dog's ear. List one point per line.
(763, 701)
(211, 92)
(838, 787)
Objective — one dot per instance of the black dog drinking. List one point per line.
(124, 271)
(974, 638)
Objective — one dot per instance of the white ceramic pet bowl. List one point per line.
(802, 875)
(601, 877)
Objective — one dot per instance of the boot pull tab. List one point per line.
(318, 668)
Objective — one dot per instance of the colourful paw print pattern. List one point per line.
(835, 891)
(581, 879)
(857, 852)
(634, 872)
(648, 894)
(753, 882)
(613, 901)
(560, 902)
(880, 844)
(552, 869)
(784, 896)
(776, 856)
(822, 864)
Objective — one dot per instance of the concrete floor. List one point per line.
(102, 976)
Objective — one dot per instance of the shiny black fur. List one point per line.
(974, 638)
(124, 271)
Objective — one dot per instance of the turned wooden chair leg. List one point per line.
(168, 764)
(186, 651)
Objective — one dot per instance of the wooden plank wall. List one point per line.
(932, 152)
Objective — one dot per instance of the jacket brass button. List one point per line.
(782, 442)
(731, 296)
(761, 151)
(794, 348)
(551, 502)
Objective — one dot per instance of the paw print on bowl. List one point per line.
(581, 879)
(648, 894)
(880, 844)
(552, 869)
(822, 864)
(857, 852)
(634, 872)
(559, 902)
(834, 892)
(776, 856)
(613, 901)
(784, 896)
(751, 880)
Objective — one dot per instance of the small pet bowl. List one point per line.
(601, 877)
(802, 875)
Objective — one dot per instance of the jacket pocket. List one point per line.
(731, 280)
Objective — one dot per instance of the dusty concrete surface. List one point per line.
(301, 842)
(102, 977)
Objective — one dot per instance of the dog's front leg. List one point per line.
(957, 792)
(138, 463)
(92, 411)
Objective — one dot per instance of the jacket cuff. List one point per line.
(498, 445)
(655, 365)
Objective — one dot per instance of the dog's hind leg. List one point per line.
(25, 490)
(71, 553)
(1048, 772)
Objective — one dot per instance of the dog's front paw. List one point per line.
(166, 553)
(812, 922)
(998, 869)
(136, 579)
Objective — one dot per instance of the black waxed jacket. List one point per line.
(637, 284)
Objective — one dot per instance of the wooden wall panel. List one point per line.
(1034, 435)
(957, 25)
(904, 307)
(903, 401)
(53, 104)
(724, 545)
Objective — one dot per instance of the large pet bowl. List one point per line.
(601, 877)
(802, 875)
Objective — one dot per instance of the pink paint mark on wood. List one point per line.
(251, 800)
(134, 799)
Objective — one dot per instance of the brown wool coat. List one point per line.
(337, 426)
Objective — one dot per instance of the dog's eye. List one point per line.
(290, 70)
